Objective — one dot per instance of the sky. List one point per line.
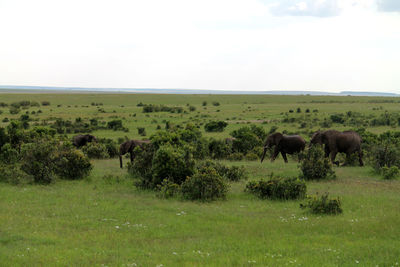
(255, 45)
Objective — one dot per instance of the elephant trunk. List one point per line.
(263, 155)
(120, 160)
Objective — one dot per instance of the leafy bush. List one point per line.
(390, 173)
(11, 173)
(8, 154)
(39, 161)
(72, 164)
(111, 146)
(115, 125)
(278, 188)
(237, 156)
(45, 103)
(95, 150)
(141, 167)
(168, 189)
(174, 164)
(251, 156)
(233, 173)
(215, 126)
(215, 103)
(141, 131)
(314, 164)
(386, 154)
(247, 138)
(14, 110)
(323, 205)
(205, 185)
(219, 148)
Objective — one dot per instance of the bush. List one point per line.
(141, 167)
(14, 110)
(390, 173)
(115, 125)
(215, 126)
(251, 156)
(72, 164)
(323, 205)
(13, 174)
(247, 138)
(206, 185)
(38, 160)
(174, 164)
(141, 131)
(386, 154)
(314, 164)
(95, 150)
(219, 149)
(8, 154)
(278, 188)
(215, 103)
(45, 103)
(168, 189)
(233, 173)
(111, 146)
(237, 156)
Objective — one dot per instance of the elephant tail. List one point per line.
(120, 161)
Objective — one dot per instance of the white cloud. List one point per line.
(389, 5)
(210, 44)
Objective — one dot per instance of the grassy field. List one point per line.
(108, 222)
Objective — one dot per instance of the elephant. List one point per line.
(129, 146)
(81, 140)
(335, 142)
(289, 144)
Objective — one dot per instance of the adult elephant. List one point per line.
(336, 142)
(284, 144)
(83, 139)
(129, 147)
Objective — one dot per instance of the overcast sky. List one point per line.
(324, 45)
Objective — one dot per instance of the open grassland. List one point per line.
(100, 221)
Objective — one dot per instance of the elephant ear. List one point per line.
(277, 138)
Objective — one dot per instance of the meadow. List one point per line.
(103, 221)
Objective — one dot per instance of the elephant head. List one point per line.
(272, 140)
(81, 140)
(318, 138)
(129, 146)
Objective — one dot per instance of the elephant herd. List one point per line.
(334, 142)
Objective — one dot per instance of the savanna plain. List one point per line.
(103, 219)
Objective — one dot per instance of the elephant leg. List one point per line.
(276, 152)
(360, 154)
(120, 161)
(333, 156)
(284, 156)
(327, 151)
(132, 157)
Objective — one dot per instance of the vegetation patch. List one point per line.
(323, 204)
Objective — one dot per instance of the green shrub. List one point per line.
(205, 185)
(8, 154)
(45, 103)
(219, 149)
(390, 173)
(141, 167)
(237, 156)
(141, 131)
(251, 156)
(174, 164)
(215, 126)
(11, 173)
(14, 110)
(95, 150)
(115, 125)
(168, 189)
(72, 164)
(278, 188)
(38, 160)
(111, 146)
(247, 138)
(314, 164)
(233, 173)
(386, 154)
(323, 205)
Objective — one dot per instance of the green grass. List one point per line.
(99, 222)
